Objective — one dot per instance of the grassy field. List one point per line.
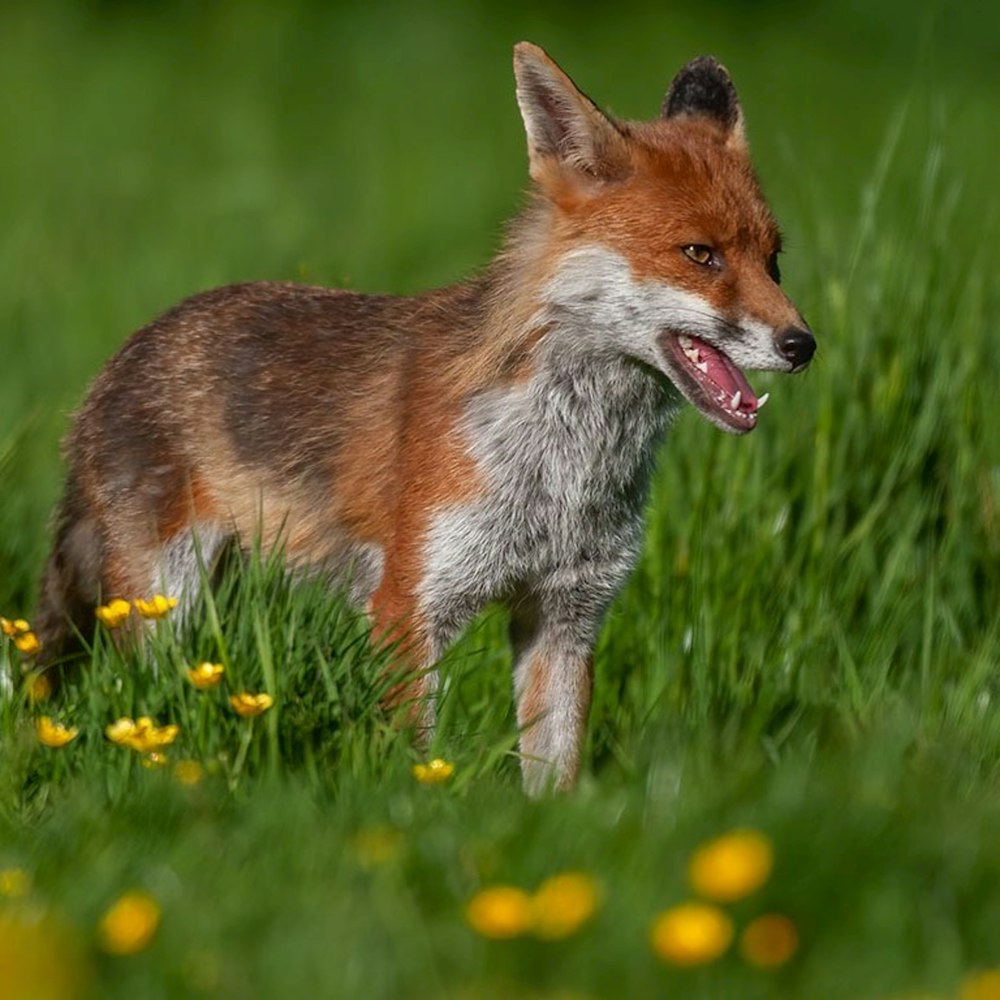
(809, 648)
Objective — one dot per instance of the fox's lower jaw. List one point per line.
(711, 382)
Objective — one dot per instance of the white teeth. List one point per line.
(692, 353)
(736, 400)
(702, 366)
(763, 399)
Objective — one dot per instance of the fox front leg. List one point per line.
(553, 678)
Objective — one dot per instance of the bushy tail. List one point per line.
(71, 583)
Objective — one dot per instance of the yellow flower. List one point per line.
(981, 986)
(142, 735)
(39, 688)
(159, 607)
(54, 734)
(205, 675)
(434, 772)
(129, 924)
(155, 760)
(115, 613)
(152, 737)
(188, 773)
(42, 956)
(376, 845)
(27, 643)
(121, 731)
(563, 904)
(14, 628)
(14, 883)
(731, 866)
(691, 934)
(502, 911)
(769, 940)
(249, 705)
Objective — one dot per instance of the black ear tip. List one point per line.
(703, 87)
(704, 64)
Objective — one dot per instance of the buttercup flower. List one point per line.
(188, 772)
(14, 883)
(27, 643)
(158, 607)
(434, 772)
(120, 731)
(42, 955)
(502, 911)
(114, 613)
(54, 734)
(563, 904)
(153, 761)
(983, 985)
(769, 940)
(249, 705)
(20, 631)
(691, 934)
(376, 845)
(39, 687)
(14, 628)
(129, 924)
(731, 866)
(205, 675)
(142, 735)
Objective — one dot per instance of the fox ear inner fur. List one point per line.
(565, 128)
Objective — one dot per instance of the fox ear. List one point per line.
(566, 130)
(703, 89)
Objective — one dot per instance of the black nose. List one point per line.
(798, 346)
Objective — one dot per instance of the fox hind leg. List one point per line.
(185, 561)
(84, 568)
(93, 561)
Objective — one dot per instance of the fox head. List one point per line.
(660, 244)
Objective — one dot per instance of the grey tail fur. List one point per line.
(70, 583)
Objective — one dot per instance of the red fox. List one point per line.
(489, 441)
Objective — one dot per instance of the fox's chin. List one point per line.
(711, 382)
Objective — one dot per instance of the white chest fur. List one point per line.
(566, 457)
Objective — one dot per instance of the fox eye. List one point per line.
(773, 270)
(699, 253)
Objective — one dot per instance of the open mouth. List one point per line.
(712, 383)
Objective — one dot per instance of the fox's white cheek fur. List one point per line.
(755, 348)
(595, 291)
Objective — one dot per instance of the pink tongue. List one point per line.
(726, 375)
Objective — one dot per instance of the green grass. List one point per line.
(809, 645)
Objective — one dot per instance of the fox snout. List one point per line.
(798, 345)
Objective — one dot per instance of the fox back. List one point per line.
(488, 441)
